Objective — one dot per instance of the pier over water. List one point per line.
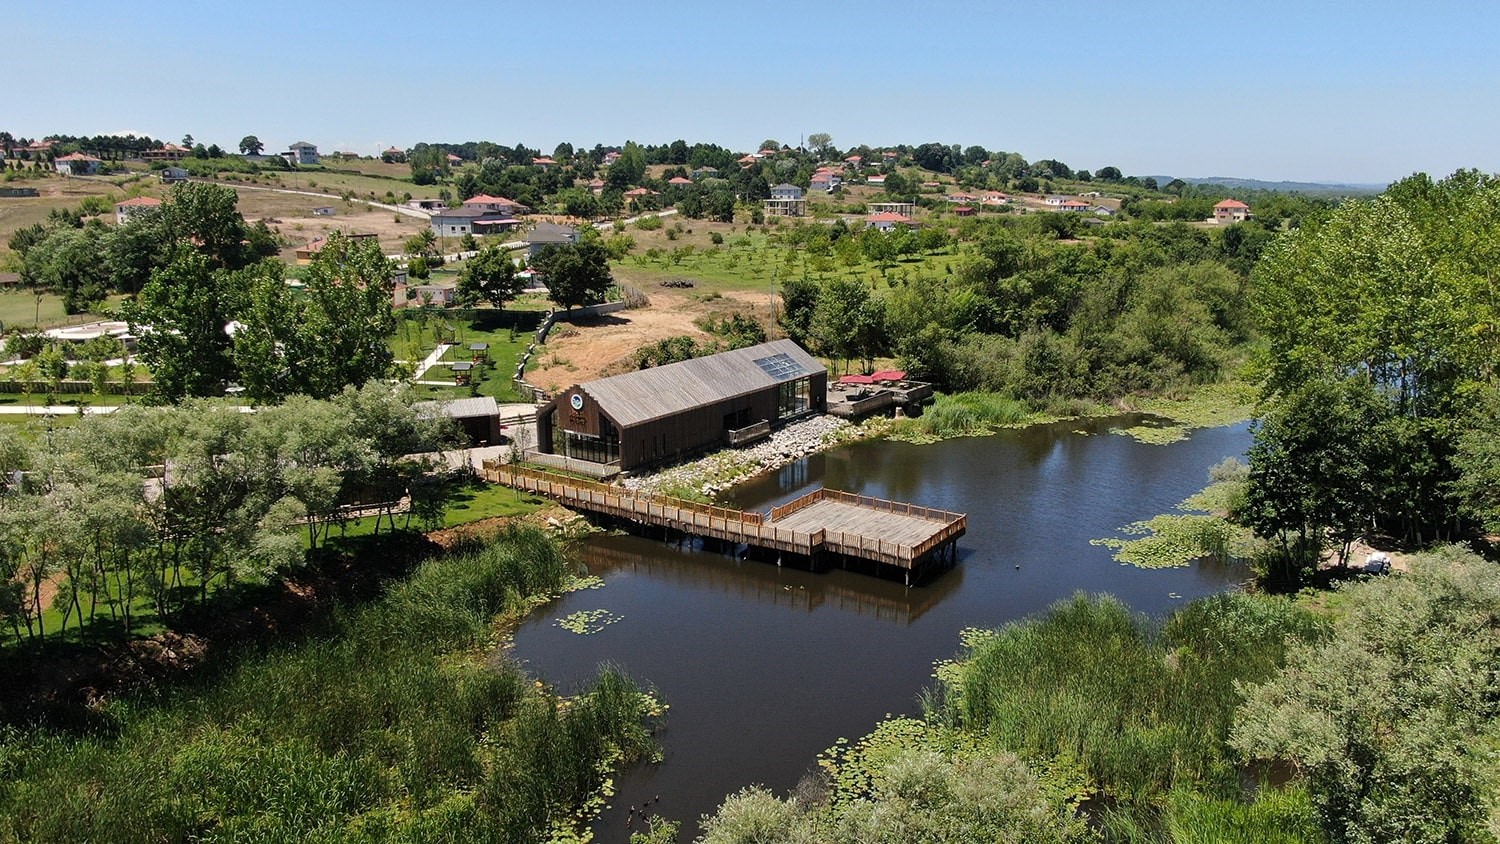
(819, 528)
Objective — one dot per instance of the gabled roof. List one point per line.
(637, 397)
(302, 144)
(486, 199)
(888, 217)
(139, 202)
(678, 180)
(542, 160)
(1231, 203)
(483, 406)
(552, 233)
(77, 156)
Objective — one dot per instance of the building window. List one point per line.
(792, 398)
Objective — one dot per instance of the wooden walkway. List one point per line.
(819, 523)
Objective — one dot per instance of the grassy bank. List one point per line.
(393, 724)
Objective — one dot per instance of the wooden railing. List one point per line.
(738, 525)
(869, 502)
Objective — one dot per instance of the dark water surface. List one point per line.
(765, 667)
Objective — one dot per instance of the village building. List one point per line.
(548, 234)
(963, 211)
(173, 175)
(125, 211)
(679, 182)
(496, 203)
(705, 173)
(1072, 205)
(302, 152)
(426, 204)
(457, 222)
(877, 180)
(786, 201)
(596, 186)
(994, 197)
(478, 418)
(888, 221)
(168, 152)
(905, 209)
(827, 181)
(1231, 211)
(77, 164)
(393, 156)
(667, 413)
(305, 253)
(611, 157)
(543, 162)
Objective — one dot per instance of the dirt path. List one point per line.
(585, 351)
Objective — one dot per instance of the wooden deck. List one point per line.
(819, 523)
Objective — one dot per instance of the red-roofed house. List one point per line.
(1073, 205)
(454, 160)
(130, 207)
(826, 181)
(543, 161)
(878, 180)
(961, 197)
(747, 160)
(679, 181)
(963, 211)
(994, 197)
(596, 186)
(495, 203)
(77, 164)
(1231, 211)
(854, 161)
(888, 220)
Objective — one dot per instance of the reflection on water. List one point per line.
(764, 666)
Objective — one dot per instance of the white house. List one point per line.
(124, 211)
(886, 221)
(303, 152)
(77, 164)
(786, 201)
(1231, 211)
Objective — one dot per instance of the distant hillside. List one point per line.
(1317, 188)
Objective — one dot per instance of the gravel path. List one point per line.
(723, 469)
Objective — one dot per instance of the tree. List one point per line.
(846, 323)
(329, 336)
(251, 145)
(181, 317)
(1108, 174)
(822, 144)
(490, 276)
(1392, 715)
(577, 273)
(68, 262)
(1313, 470)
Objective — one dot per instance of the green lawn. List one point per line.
(22, 307)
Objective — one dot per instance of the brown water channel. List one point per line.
(764, 667)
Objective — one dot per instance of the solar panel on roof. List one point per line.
(781, 367)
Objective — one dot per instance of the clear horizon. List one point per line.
(1360, 94)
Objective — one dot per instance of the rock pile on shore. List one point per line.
(723, 469)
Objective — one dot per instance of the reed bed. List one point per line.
(1135, 708)
(393, 725)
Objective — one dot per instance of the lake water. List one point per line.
(764, 667)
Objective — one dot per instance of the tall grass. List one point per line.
(967, 415)
(391, 726)
(1135, 707)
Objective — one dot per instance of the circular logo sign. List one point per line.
(577, 401)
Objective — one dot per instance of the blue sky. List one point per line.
(1326, 91)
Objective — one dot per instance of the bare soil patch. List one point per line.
(577, 352)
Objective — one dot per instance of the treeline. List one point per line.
(211, 306)
(1382, 351)
(1026, 311)
(151, 509)
(392, 724)
(83, 260)
(1149, 731)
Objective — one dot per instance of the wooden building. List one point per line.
(669, 412)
